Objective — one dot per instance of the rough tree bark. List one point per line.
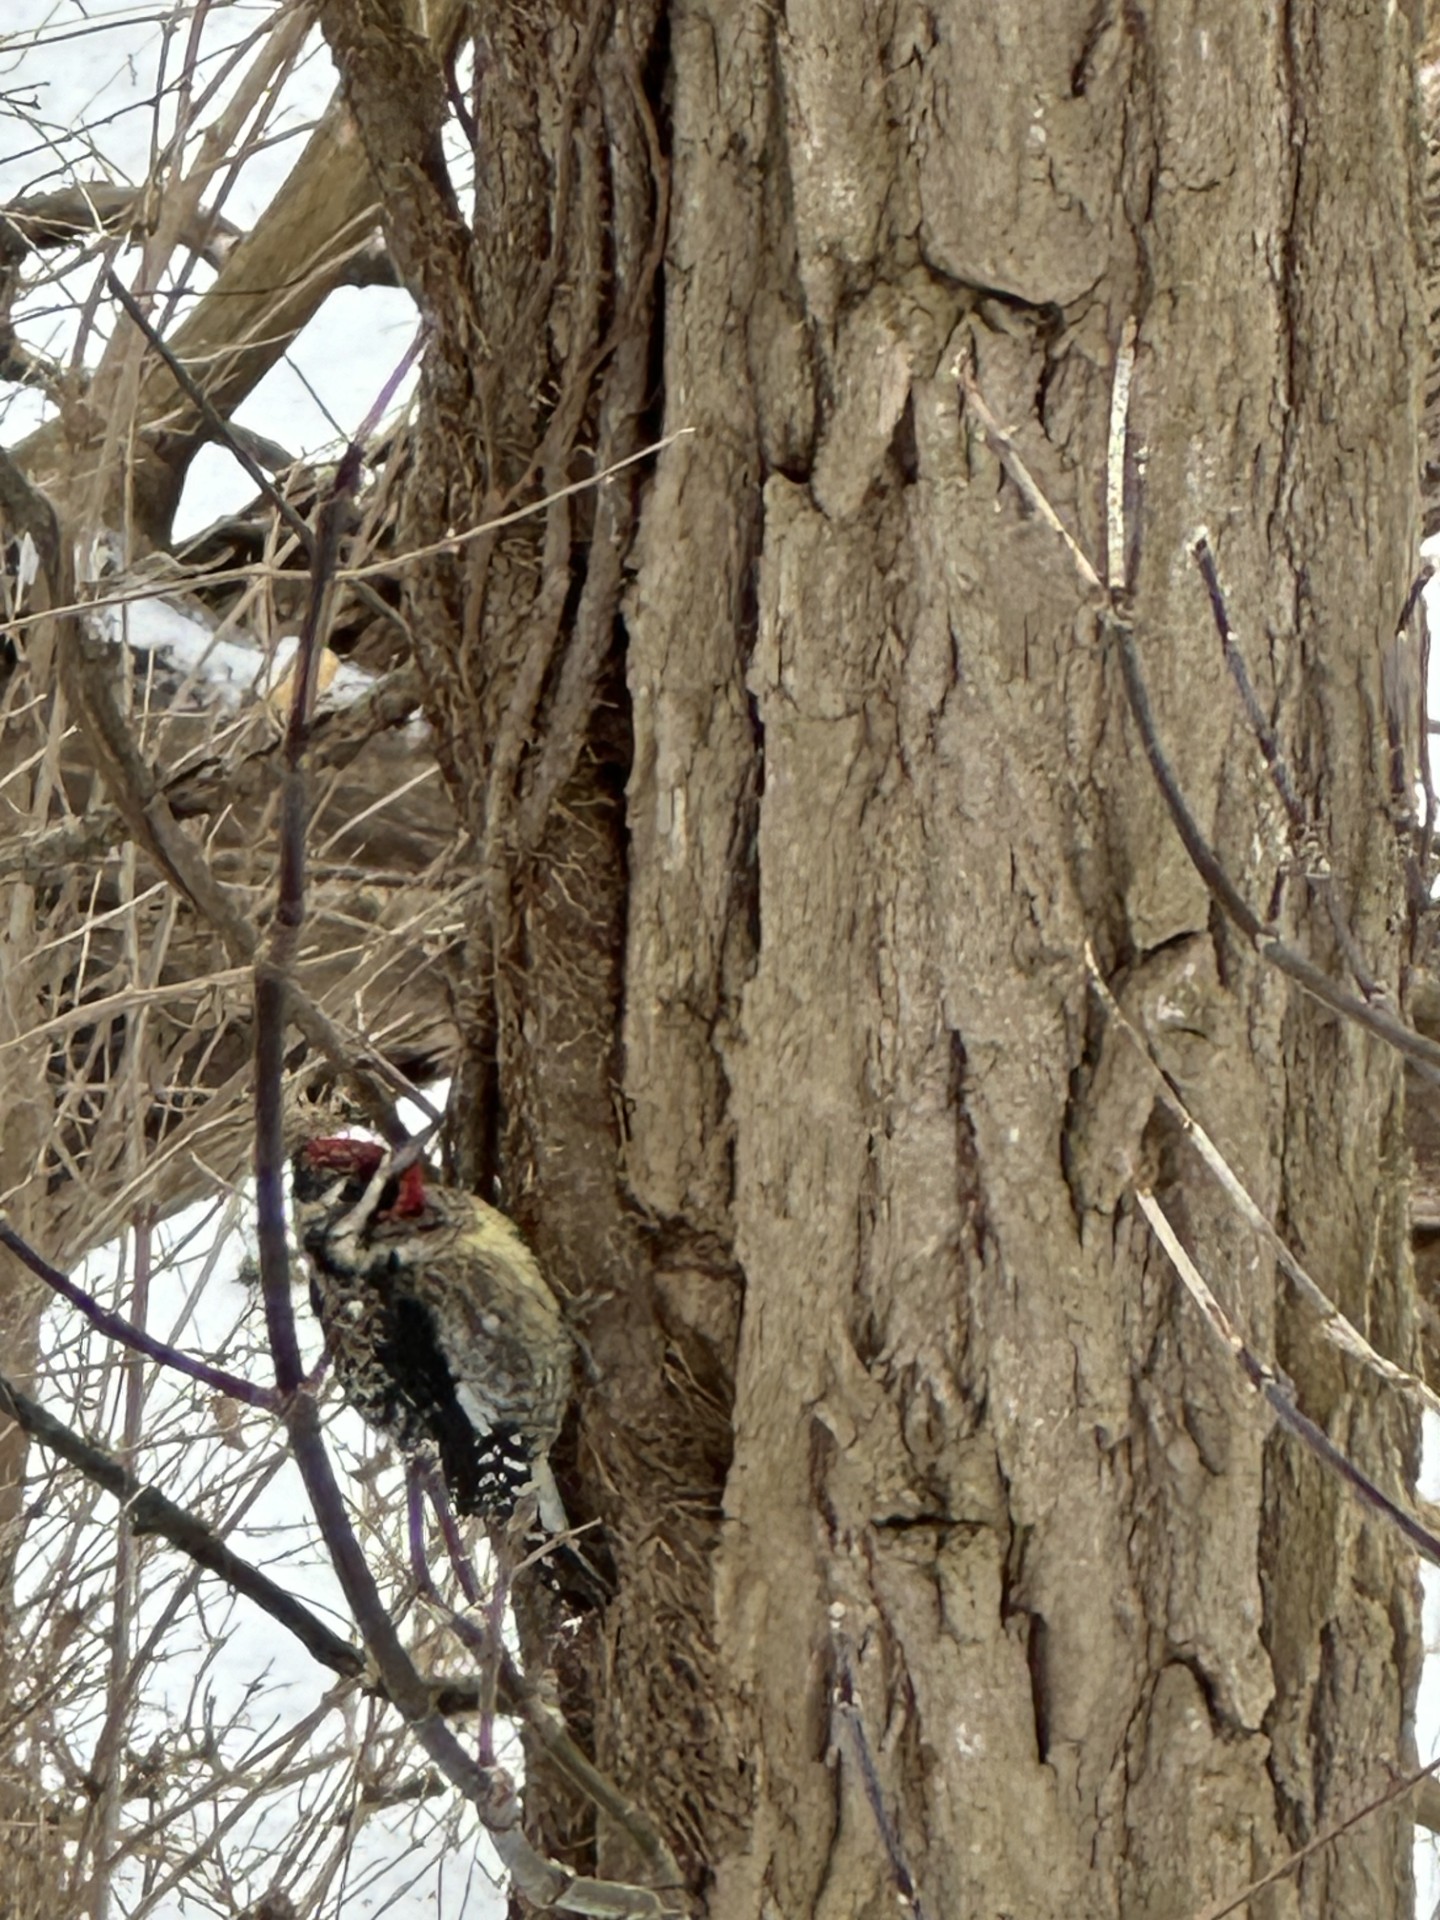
(797, 1080)
(795, 778)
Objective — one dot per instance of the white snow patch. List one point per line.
(231, 673)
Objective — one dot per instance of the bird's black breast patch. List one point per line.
(389, 1361)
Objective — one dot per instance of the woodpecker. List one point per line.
(441, 1328)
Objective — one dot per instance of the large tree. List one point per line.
(794, 770)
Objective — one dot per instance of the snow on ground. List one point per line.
(231, 673)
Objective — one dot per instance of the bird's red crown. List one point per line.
(340, 1153)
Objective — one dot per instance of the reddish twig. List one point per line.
(1315, 864)
(1278, 1392)
(116, 1327)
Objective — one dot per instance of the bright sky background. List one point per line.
(68, 68)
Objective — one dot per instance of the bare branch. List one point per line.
(78, 212)
(1232, 1903)
(1342, 1333)
(149, 1512)
(115, 1327)
(1277, 1391)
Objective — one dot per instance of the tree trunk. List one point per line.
(912, 1455)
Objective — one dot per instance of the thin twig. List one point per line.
(1033, 494)
(1315, 865)
(1341, 1332)
(149, 1512)
(1232, 1903)
(115, 1327)
(1372, 1015)
(1235, 660)
(101, 1826)
(851, 1717)
(218, 425)
(454, 542)
(1278, 1392)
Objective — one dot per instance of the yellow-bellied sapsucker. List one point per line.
(442, 1330)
